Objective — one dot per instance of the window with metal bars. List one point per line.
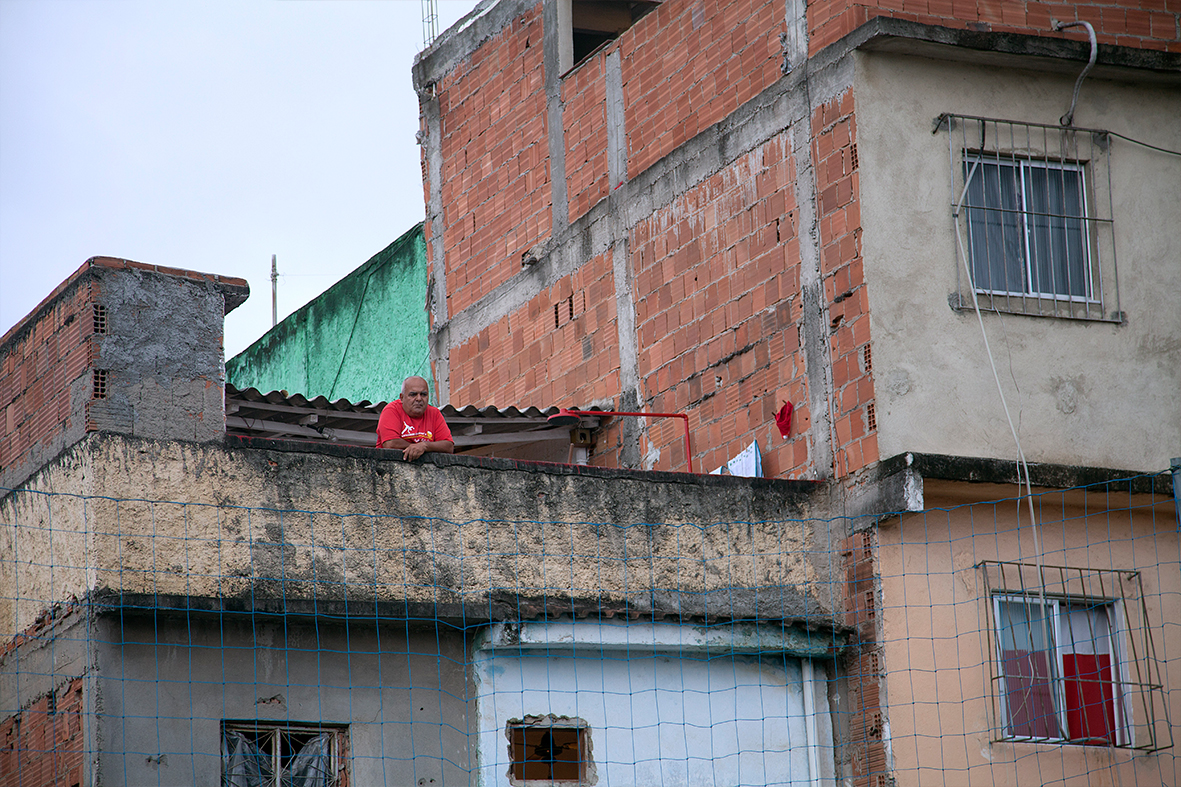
(1027, 228)
(267, 754)
(1059, 663)
(1073, 657)
(1032, 211)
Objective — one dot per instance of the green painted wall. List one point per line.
(358, 340)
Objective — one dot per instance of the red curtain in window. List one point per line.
(1090, 698)
(1029, 694)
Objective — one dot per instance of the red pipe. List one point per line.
(682, 416)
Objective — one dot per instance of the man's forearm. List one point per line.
(414, 450)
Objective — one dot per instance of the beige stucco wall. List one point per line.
(260, 527)
(1083, 393)
(935, 626)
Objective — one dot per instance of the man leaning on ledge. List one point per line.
(413, 425)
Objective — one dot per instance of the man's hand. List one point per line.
(411, 451)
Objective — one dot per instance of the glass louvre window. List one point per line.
(1060, 669)
(269, 755)
(1027, 228)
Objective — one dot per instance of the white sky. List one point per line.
(208, 136)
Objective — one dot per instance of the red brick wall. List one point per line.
(674, 67)
(38, 367)
(834, 150)
(49, 387)
(717, 296)
(687, 66)
(716, 274)
(495, 178)
(1146, 24)
(43, 745)
(862, 745)
(541, 356)
(584, 112)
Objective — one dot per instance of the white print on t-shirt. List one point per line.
(411, 434)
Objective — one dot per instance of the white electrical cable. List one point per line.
(1022, 464)
(987, 349)
(1068, 118)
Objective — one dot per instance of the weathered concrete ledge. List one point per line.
(1041, 474)
(266, 525)
(1049, 52)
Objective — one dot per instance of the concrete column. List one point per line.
(814, 332)
(795, 40)
(432, 151)
(616, 127)
(625, 307)
(552, 23)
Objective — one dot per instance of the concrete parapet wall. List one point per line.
(216, 525)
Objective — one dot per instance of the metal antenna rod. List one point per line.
(430, 21)
(274, 292)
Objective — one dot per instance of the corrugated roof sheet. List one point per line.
(280, 415)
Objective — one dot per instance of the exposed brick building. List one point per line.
(718, 207)
(184, 605)
(81, 362)
(712, 208)
(678, 220)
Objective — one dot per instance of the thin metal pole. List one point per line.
(274, 292)
(430, 21)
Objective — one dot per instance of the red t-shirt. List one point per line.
(395, 423)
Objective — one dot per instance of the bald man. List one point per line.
(411, 424)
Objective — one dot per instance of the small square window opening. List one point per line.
(588, 25)
(1027, 228)
(549, 749)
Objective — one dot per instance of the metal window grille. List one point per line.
(1073, 658)
(1033, 218)
(270, 754)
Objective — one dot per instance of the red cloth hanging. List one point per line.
(1090, 698)
(783, 419)
(1029, 694)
